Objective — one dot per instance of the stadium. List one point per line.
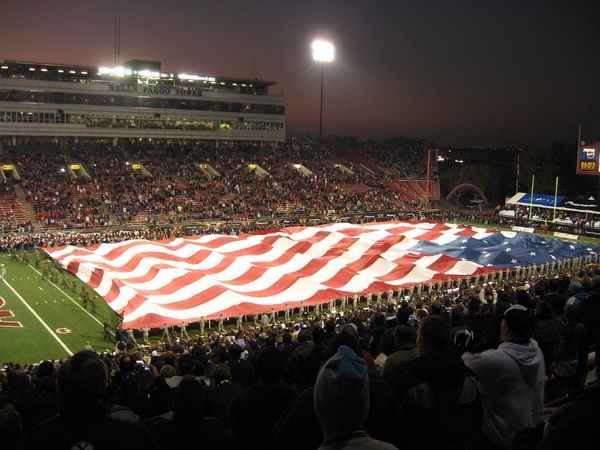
(136, 198)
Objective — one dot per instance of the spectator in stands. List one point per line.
(399, 361)
(309, 360)
(242, 371)
(491, 335)
(554, 298)
(511, 381)
(458, 321)
(126, 384)
(17, 384)
(304, 342)
(40, 401)
(376, 331)
(11, 428)
(252, 414)
(352, 328)
(589, 312)
(341, 398)
(221, 392)
(477, 320)
(45, 369)
(299, 429)
(577, 293)
(439, 399)
(84, 415)
(565, 363)
(387, 343)
(189, 428)
(547, 333)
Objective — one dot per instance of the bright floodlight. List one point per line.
(322, 51)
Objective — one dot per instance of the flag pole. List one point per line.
(517, 180)
(531, 197)
(555, 198)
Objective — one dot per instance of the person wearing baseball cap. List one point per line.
(511, 380)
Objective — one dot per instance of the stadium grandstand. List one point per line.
(91, 183)
(189, 148)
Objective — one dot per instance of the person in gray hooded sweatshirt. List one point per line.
(511, 380)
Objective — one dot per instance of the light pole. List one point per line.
(323, 52)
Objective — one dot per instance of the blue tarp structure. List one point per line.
(547, 201)
(539, 200)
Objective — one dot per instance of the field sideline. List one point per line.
(41, 320)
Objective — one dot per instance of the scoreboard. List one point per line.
(588, 161)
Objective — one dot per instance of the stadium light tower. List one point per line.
(323, 52)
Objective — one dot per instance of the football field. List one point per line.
(46, 319)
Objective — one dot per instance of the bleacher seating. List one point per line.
(167, 184)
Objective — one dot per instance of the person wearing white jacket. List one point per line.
(511, 380)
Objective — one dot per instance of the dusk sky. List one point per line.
(458, 72)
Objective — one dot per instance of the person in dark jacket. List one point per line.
(547, 333)
(554, 298)
(84, 412)
(376, 331)
(399, 361)
(221, 392)
(477, 320)
(309, 360)
(253, 414)
(242, 370)
(589, 311)
(299, 428)
(189, 428)
(439, 397)
(491, 335)
(565, 363)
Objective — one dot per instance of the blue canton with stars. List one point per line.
(508, 250)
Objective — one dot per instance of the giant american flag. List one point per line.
(184, 279)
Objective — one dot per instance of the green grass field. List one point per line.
(52, 322)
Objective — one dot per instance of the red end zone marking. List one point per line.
(7, 314)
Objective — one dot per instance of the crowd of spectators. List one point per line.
(97, 184)
(571, 218)
(256, 385)
(297, 382)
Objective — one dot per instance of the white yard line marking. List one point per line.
(54, 335)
